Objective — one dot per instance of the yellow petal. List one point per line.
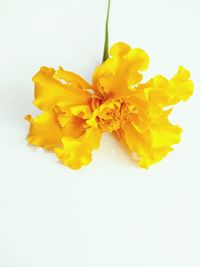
(71, 77)
(118, 74)
(71, 125)
(119, 49)
(77, 152)
(50, 92)
(163, 92)
(153, 144)
(138, 59)
(165, 136)
(73, 122)
(82, 111)
(182, 86)
(44, 131)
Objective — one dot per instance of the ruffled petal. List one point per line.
(51, 92)
(163, 92)
(81, 111)
(152, 144)
(77, 152)
(138, 59)
(71, 125)
(72, 78)
(45, 130)
(73, 121)
(119, 49)
(118, 74)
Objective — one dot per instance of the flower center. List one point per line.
(112, 116)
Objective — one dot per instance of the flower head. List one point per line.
(76, 113)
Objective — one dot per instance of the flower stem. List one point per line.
(106, 43)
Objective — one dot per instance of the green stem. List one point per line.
(106, 44)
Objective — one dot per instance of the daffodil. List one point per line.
(77, 113)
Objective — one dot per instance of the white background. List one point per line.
(111, 213)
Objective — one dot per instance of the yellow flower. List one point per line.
(77, 113)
